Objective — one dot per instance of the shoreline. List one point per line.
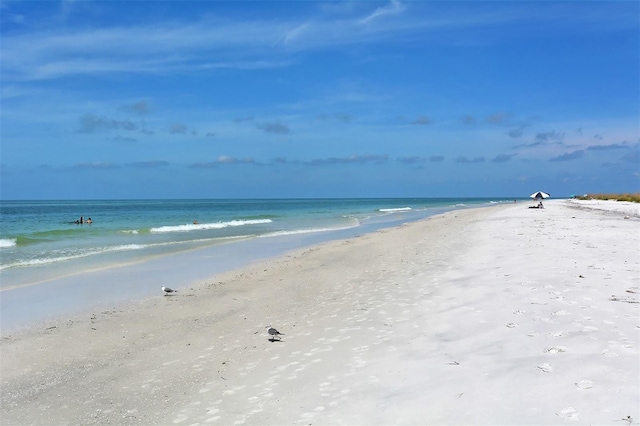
(56, 299)
(483, 316)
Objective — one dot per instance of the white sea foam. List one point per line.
(303, 231)
(216, 225)
(55, 259)
(399, 209)
(8, 242)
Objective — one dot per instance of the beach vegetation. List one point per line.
(634, 198)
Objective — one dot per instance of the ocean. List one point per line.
(42, 244)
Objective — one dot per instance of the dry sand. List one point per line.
(502, 315)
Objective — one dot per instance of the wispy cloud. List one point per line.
(209, 42)
(355, 159)
(464, 160)
(224, 159)
(14, 18)
(164, 47)
(345, 118)
(204, 165)
(96, 166)
(516, 133)
(610, 147)
(633, 156)
(90, 123)
(243, 119)
(502, 158)
(393, 8)
(468, 119)
(411, 160)
(148, 164)
(422, 120)
(275, 127)
(549, 137)
(140, 107)
(296, 32)
(498, 118)
(569, 156)
(283, 161)
(178, 129)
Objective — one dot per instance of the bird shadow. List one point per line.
(275, 340)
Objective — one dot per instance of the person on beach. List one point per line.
(540, 206)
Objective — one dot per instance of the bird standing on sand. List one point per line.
(273, 332)
(167, 290)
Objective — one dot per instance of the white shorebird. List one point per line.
(275, 333)
(168, 290)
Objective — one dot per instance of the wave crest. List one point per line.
(62, 258)
(204, 226)
(8, 242)
(398, 209)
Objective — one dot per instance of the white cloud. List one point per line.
(224, 159)
(393, 8)
(206, 43)
(296, 33)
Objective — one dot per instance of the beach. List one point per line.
(494, 315)
(50, 268)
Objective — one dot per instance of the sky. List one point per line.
(312, 99)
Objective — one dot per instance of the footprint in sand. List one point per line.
(554, 350)
(569, 413)
(584, 384)
(181, 418)
(545, 367)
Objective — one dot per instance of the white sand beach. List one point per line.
(499, 315)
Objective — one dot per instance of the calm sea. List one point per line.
(49, 264)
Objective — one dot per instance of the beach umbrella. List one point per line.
(539, 194)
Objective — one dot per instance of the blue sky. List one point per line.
(207, 99)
